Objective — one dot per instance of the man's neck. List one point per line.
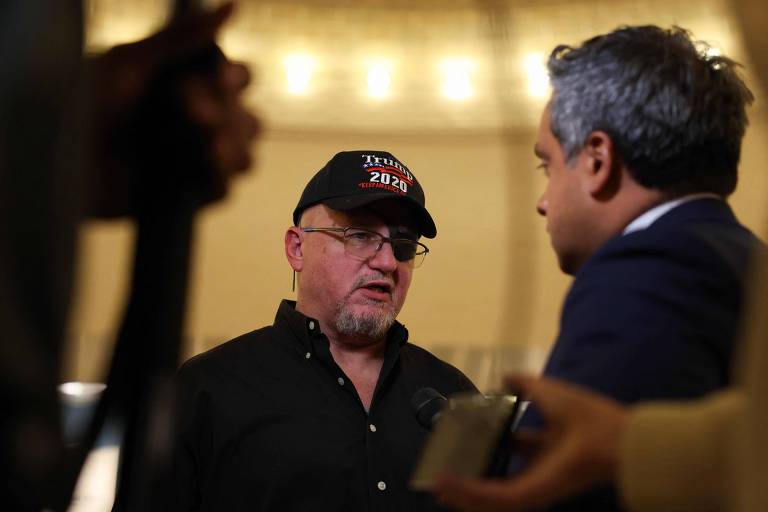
(612, 215)
(361, 362)
(633, 201)
(357, 353)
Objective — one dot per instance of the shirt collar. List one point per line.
(650, 216)
(304, 329)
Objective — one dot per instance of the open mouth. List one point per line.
(378, 287)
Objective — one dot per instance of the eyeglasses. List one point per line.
(364, 244)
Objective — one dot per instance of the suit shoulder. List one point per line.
(705, 247)
(724, 235)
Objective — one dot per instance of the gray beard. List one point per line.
(374, 325)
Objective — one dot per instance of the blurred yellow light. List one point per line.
(457, 82)
(72, 388)
(538, 78)
(298, 72)
(81, 390)
(712, 51)
(379, 79)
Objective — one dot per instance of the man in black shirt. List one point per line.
(312, 413)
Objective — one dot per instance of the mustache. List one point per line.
(362, 281)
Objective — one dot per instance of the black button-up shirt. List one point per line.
(270, 422)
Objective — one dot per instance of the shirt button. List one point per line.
(307, 355)
(311, 325)
(372, 427)
(381, 486)
(340, 380)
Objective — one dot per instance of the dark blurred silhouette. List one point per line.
(152, 130)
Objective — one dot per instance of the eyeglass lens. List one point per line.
(364, 244)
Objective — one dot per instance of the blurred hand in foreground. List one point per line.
(577, 450)
(199, 122)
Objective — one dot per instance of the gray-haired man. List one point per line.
(640, 143)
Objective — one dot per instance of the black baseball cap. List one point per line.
(352, 179)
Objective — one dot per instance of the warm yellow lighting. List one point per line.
(379, 79)
(298, 72)
(457, 82)
(109, 29)
(538, 78)
(711, 52)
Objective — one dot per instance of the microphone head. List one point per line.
(427, 404)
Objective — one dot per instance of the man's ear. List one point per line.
(601, 176)
(293, 249)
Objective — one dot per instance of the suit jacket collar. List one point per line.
(697, 210)
(691, 212)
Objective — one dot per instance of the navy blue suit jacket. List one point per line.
(653, 314)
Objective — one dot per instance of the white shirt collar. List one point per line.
(650, 216)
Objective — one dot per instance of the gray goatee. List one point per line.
(372, 324)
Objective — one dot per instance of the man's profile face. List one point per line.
(563, 200)
(343, 291)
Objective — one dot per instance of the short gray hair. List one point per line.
(675, 112)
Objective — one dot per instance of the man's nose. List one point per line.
(541, 206)
(384, 259)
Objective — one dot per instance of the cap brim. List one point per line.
(424, 220)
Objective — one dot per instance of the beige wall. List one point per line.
(489, 294)
(480, 286)
(490, 281)
(750, 201)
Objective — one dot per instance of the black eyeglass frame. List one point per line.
(419, 255)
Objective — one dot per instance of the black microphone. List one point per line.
(427, 404)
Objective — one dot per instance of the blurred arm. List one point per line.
(677, 456)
